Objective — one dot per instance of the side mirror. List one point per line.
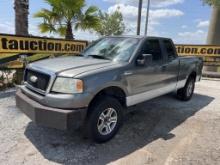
(144, 59)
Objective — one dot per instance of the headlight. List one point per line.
(67, 85)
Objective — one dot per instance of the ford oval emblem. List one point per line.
(33, 79)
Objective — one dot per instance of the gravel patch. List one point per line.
(163, 131)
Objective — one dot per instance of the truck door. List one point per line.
(147, 82)
(171, 65)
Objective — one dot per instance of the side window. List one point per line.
(152, 46)
(170, 49)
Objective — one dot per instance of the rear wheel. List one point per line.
(187, 91)
(104, 120)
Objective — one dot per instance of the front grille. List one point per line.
(36, 79)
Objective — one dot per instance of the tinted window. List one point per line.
(169, 48)
(153, 47)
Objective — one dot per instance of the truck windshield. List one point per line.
(112, 48)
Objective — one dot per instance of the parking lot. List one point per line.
(164, 131)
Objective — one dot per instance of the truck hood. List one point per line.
(70, 66)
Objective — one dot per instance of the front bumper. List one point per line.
(60, 101)
(50, 117)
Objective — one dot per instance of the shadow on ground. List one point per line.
(155, 119)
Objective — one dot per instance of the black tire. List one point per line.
(101, 106)
(186, 93)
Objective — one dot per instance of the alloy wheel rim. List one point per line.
(107, 121)
(190, 88)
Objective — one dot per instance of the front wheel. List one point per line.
(104, 120)
(187, 91)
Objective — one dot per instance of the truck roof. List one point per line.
(138, 36)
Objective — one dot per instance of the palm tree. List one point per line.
(21, 8)
(66, 15)
(214, 27)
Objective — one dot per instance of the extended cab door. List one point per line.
(171, 65)
(148, 81)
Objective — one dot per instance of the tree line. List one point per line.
(64, 17)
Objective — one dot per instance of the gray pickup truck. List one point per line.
(94, 89)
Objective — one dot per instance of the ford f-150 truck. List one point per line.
(94, 89)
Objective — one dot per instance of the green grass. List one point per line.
(37, 57)
(5, 55)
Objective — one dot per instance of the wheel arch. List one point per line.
(112, 91)
(193, 74)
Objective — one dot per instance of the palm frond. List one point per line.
(45, 27)
(212, 2)
(62, 12)
(89, 19)
(62, 30)
(91, 10)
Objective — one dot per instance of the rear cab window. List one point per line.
(169, 48)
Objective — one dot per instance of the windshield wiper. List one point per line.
(98, 56)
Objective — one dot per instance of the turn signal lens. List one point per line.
(79, 86)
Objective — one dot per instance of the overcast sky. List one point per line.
(186, 21)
